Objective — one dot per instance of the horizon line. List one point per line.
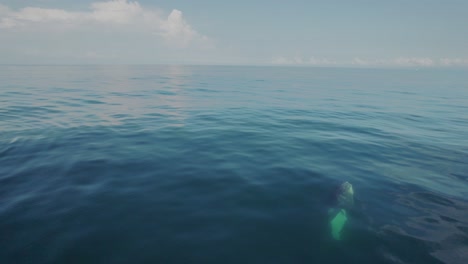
(409, 67)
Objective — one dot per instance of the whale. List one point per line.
(342, 202)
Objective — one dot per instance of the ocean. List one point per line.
(231, 164)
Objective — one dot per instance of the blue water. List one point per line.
(211, 164)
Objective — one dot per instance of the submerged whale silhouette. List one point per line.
(343, 201)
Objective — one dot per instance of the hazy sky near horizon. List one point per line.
(398, 33)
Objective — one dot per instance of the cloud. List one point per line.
(411, 62)
(173, 28)
(359, 62)
(287, 61)
(176, 29)
(117, 11)
(414, 62)
(397, 62)
(4, 10)
(300, 61)
(454, 62)
(366, 62)
(324, 62)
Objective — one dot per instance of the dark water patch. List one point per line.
(464, 229)
(123, 116)
(15, 93)
(448, 219)
(165, 92)
(30, 110)
(408, 249)
(432, 198)
(88, 101)
(204, 90)
(460, 176)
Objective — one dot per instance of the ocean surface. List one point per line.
(231, 164)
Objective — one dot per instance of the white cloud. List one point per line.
(177, 30)
(359, 62)
(411, 62)
(4, 10)
(300, 61)
(397, 62)
(34, 14)
(116, 11)
(282, 61)
(366, 62)
(172, 28)
(453, 62)
(324, 62)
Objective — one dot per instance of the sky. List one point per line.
(358, 33)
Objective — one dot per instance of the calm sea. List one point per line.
(231, 164)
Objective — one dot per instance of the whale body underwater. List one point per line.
(343, 201)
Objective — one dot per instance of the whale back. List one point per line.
(344, 196)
